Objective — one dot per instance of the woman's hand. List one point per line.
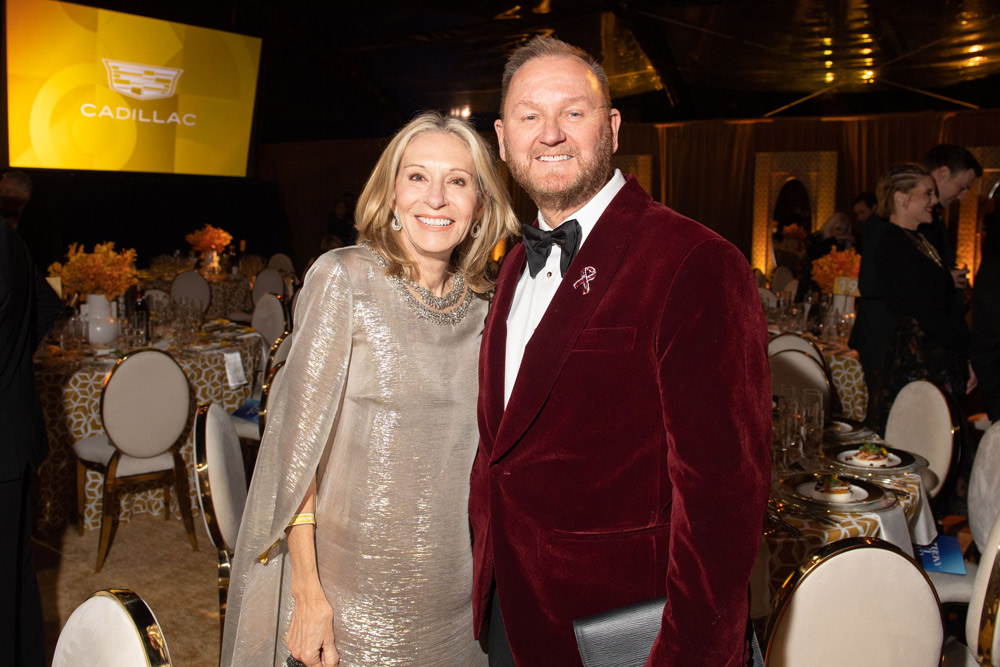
(310, 635)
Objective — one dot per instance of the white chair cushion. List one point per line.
(268, 281)
(973, 618)
(790, 341)
(99, 632)
(99, 450)
(227, 478)
(984, 487)
(955, 587)
(245, 428)
(920, 422)
(957, 654)
(282, 262)
(782, 276)
(794, 368)
(146, 403)
(863, 606)
(767, 297)
(269, 319)
(191, 285)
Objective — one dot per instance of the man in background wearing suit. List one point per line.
(625, 401)
(28, 307)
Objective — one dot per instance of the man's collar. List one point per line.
(589, 213)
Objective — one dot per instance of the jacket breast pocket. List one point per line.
(605, 339)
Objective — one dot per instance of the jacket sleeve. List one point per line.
(715, 392)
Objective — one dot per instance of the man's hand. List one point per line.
(960, 277)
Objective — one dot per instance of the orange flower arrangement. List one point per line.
(103, 271)
(828, 268)
(794, 231)
(209, 238)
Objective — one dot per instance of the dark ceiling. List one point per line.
(331, 69)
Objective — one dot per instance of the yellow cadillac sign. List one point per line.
(94, 89)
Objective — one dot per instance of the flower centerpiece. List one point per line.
(209, 241)
(836, 264)
(102, 275)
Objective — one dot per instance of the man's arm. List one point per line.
(716, 400)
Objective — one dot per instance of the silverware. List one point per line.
(786, 527)
(809, 514)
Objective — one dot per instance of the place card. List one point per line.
(942, 555)
(234, 369)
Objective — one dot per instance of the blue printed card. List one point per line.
(942, 555)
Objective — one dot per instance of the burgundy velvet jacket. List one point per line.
(632, 460)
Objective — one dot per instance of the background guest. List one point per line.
(863, 207)
(836, 234)
(985, 345)
(954, 169)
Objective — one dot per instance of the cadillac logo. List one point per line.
(142, 82)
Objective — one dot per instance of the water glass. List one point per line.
(812, 422)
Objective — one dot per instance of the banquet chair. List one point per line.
(759, 276)
(247, 429)
(856, 601)
(157, 299)
(984, 487)
(923, 420)
(191, 285)
(781, 277)
(789, 291)
(982, 634)
(268, 281)
(146, 406)
(282, 262)
(793, 341)
(112, 628)
(271, 384)
(795, 368)
(767, 297)
(222, 487)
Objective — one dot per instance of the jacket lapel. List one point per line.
(493, 368)
(569, 311)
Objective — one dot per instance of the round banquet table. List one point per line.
(229, 293)
(70, 389)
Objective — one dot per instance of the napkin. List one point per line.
(234, 369)
(924, 530)
(893, 528)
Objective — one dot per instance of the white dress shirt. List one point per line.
(533, 295)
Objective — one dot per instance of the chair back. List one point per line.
(271, 384)
(759, 276)
(982, 635)
(282, 262)
(984, 487)
(781, 277)
(222, 482)
(278, 352)
(859, 600)
(795, 368)
(792, 341)
(146, 403)
(268, 281)
(790, 289)
(157, 299)
(767, 297)
(191, 285)
(112, 628)
(921, 421)
(269, 318)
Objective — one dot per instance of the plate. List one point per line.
(865, 496)
(900, 461)
(846, 430)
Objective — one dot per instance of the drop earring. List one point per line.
(396, 224)
(476, 230)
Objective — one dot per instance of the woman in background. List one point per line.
(355, 540)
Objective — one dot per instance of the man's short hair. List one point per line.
(956, 158)
(542, 46)
(20, 181)
(868, 198)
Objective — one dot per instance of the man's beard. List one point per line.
(592, 177)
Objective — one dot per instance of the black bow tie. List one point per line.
(538, 245)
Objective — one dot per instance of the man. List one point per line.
(624, 405)
(40, 233)
(863, 207)
(954, 169)
(985, 343)
(28, 307)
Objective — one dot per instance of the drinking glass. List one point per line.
(812, 423)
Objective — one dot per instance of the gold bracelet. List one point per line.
(299, 519)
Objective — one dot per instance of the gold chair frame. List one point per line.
(145, 623)
(988, 615)
(265, 393)
(115, 486)
(779, 604)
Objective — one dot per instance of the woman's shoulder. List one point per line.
(346, 262)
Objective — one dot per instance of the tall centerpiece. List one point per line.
(837, 273)
(209, 241)
(100, 276)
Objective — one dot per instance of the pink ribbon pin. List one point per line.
(586, 276)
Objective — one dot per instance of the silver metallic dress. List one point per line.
(378, 401)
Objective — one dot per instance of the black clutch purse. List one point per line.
(624, 637)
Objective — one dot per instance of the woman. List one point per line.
(373, 432)
(834, 235)
(931, 339)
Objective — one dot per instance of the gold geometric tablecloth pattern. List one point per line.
(849, 381)
(229, 294)
(70, 390)
(787, 553)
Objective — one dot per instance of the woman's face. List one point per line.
(916, 206)
(435, 196)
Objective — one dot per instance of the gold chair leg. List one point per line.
(183, 499)
(166, 500)
(81, 495)
(225, 567)
(109, 522)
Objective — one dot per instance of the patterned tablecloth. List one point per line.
(70, 390)
(230, 294)
(849, 381)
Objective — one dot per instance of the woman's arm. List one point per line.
(310, 635)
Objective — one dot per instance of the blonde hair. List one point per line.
(836, 225)
(901, 177)
(496, 219)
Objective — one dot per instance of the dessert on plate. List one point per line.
(870, 455)
(832, 488)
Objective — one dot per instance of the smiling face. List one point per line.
(435, 197)
(915, 206)
(556, 135)
(952, 186)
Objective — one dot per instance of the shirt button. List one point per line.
(548, 275)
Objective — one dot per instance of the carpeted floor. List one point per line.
(150, 556)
